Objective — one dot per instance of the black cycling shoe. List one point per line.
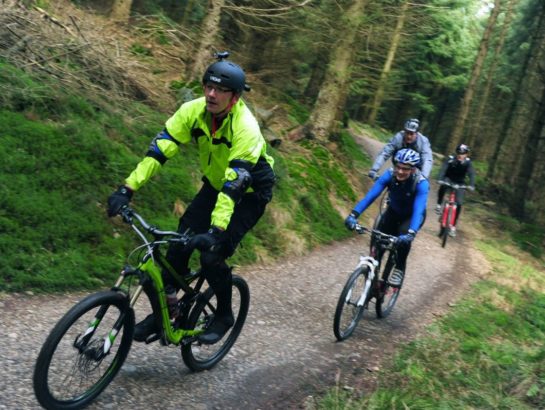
(216, 330)
(145, 328)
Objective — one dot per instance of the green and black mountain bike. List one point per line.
(88, 346)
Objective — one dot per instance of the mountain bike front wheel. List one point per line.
(84, 351)
(351, 304)
(198, 356)
(388, 294)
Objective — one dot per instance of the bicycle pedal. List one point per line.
(188, 340)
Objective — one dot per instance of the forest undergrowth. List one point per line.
(76, 122)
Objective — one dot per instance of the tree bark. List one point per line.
(506, 148)
(483, 103)
(475, 74)
(317, 77)
(121, 10)
(532, 149)
(329, 102)
(209, 40)
(379, 94)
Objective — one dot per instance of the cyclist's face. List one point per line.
(218, 98)
(461, 157)
(409, 137)
(403, 171)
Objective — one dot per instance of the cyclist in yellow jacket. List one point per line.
(238, 178)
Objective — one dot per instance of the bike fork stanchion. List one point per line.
(453, 216)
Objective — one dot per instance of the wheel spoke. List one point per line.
(198, 356)
(73, 369)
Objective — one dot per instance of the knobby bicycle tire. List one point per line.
(348, 313)
(199, 356)
(388, 294)
(64, 374)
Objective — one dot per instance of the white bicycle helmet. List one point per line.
(407, 156)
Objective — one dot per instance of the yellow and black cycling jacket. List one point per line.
(236, 143)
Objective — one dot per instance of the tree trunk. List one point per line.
(483, 103)
(121, 10)
(186, 13)
(329, 103)
(504, 149)
(533, 147)
(209, 40)
(475, 74)
(379, 94)
(318, 75)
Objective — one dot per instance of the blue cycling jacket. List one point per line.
(406, 200)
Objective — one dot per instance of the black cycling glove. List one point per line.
(118, 200)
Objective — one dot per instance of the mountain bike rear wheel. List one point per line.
(198, 356)
(388, 294)
(72, 368)
(348, 312)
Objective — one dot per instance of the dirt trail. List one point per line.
(286, 352)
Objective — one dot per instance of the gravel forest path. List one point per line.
(286, 353)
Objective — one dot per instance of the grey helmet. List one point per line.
(412, 125)
(226, 74)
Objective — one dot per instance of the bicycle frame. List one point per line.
(451, 205)
(150, 265)
(380, 243)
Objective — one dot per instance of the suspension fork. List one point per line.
(371, 264)
(81, 340)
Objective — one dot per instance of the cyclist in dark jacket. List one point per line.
(237, 185)
(456, 169)
(406, 210)
(408, 138)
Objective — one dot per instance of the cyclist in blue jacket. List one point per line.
(406, 212)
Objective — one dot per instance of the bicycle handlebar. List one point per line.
(380, 236)
(128, 214)
(455, 186)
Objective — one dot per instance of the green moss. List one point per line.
(67, 153)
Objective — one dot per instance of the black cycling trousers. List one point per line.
(394, 224)
(197, 219)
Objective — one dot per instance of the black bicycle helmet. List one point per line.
(226, 74)
(412, 125)
(462, 149)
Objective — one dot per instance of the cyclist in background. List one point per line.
(237, 185)
(406, 212)
(456, 169)
(411, 138)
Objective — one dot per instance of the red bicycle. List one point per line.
(449, 208)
